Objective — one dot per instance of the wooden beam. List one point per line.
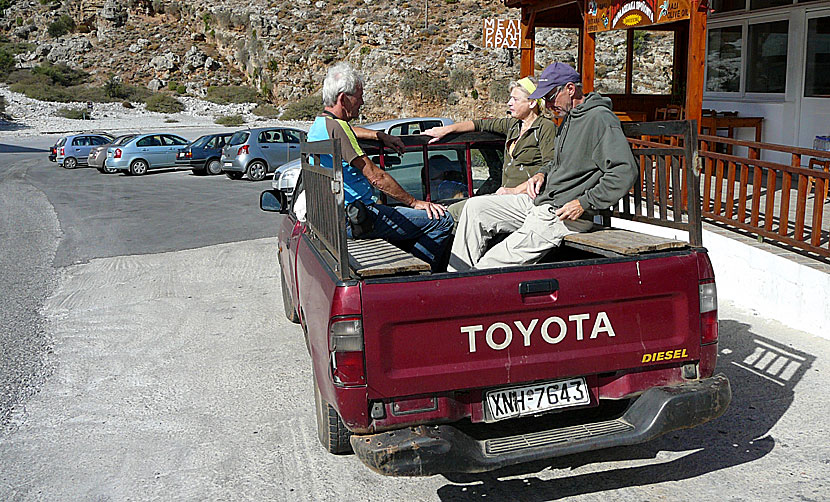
(629, 61)
(587, 52)
(696, 60)
(528, 50)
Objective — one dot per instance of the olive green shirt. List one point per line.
(532, 151)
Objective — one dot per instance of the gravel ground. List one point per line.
(32, 117)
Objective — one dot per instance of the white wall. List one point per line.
(777, 288)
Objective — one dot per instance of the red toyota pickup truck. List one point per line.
(609, 341)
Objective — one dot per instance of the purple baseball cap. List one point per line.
(553, 76)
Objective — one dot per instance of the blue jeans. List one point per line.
(411, 230)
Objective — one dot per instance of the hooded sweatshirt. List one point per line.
(592, 160)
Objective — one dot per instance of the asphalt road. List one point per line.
(145, 357)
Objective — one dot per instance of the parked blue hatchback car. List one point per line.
(72, 151)
(203, 156)
(145, 152)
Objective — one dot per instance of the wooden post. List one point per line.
(588, 42)
(696, 60)
(528, 43)
(629, 61)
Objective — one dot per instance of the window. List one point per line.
(728, 5)
(610, 75)
(291, 136)
(651, 71)
(98, 140)
(240, 137)
(81, 141)
(723, 59)
(763, 4)
(172, 140)
(766, 69)
(817, 76)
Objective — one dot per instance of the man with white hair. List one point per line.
(423, 228)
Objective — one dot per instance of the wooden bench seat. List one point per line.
(377, 257)
(619, 242)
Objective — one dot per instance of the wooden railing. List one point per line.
(668, 192)
(325, 214)
(781, 202)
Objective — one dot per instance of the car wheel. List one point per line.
(257, 171)
(287, 304)
(138, 167)
(331, 431)
(234, 175)
(70, 163)
(213, 167)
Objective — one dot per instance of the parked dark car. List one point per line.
(98, 155)
(203, 156)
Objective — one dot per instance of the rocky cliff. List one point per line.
(420, 58)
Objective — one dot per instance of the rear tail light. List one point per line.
(346, 348)
(188, 154)
(117, 153)
(242, 150)
(708, 312)
(62, 151)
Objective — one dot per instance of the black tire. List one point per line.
(331, 431)
(287, 304)
(213, 167)
(138, 167)
(108, 170)
(234, 175)
(101, 170)
(257, 170)
(70, 163)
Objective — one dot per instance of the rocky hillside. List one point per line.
(416, 62)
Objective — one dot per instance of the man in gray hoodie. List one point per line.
(592, 168)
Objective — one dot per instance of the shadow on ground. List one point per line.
(20, 149)
(763, 374)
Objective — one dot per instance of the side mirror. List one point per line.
(273, 201)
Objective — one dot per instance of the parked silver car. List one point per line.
(285, 178)
(145, 151)
(98, 155)
(257, 152)
(74, 150)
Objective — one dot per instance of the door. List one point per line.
(292, 141)
(170, 147)
(79, 148)
(150, 149)
(273, 148)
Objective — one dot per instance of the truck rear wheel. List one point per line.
(287, 304)
(332, 432)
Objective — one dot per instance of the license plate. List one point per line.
(228, 164)
(538, 398)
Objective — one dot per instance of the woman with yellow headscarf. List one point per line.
(529, 138)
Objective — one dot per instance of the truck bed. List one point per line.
(377, 258)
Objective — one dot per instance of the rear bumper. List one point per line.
(191, 163)
(427, 450)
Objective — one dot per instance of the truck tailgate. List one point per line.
(449, 333)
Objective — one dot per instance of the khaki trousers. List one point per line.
(534, 230)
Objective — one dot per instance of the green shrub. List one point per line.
(181, 89)
(6, 63)
(266, 110)
(172, 85)
(425, 86)
(365, 50)
(113, 88)
(499, 91)
(461, 80)
(61, 26)
(5, 4)
(231, 94)
(73, 113)
(61, 74)
(163, 103)
(17, 47)
(230, 120)
(43, 91)
(304, 109)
